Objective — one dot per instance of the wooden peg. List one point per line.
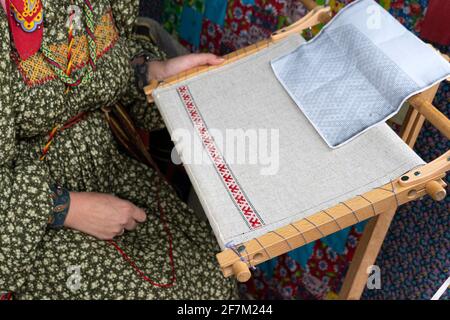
(241, 271)
(318, 15)
(433, 170)
(309, 4)
(435, 190)
(148, 90)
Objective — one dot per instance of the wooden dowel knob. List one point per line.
(325, 17)
(435, 190)
(148, 90)
(241, 271)
(309, 4)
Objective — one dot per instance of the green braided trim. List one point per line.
(88, 71)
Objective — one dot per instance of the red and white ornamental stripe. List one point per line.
(237, 195)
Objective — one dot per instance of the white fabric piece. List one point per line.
(311, 176)
(358, 71)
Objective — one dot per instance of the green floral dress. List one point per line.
(41, 263)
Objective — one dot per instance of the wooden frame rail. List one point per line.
(318, 15)
(345, 214)
(384, 200)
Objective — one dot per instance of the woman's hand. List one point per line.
(103, 216)
(160, 70)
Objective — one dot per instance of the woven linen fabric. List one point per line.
(358, 71)
(310, 176)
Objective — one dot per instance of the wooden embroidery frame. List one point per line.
(379, 205)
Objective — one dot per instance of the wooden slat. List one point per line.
(318, 15)
(414, 119)
(309, 4)
(426, 173)
(365, 255)
(432, 114)
(412, 125)
(375, 231)
(323, 223)
(229, 58)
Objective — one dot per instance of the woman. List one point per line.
(63, 193)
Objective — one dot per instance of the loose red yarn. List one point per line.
(170, 252)
(132, 263)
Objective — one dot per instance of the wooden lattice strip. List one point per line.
(328, 221)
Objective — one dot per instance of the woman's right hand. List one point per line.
(101, 215)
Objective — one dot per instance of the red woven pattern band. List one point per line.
(233, 188)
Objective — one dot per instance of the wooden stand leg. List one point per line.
(366, 253)
(413, 124)
(414, 119)
(376, 229)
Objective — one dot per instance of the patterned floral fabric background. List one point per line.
(222, 26)
(415, 257)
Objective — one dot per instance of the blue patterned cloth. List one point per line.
(215, 11)
(191, 25)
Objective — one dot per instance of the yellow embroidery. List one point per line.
(35, 70)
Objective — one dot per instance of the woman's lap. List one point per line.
(71, 265)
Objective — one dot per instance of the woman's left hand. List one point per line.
(160, 70)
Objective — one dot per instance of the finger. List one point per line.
(194, 60)
(139, 215)
(182, 63)
(121, 233)
(131, 225)
(215, 60)
(207, 58)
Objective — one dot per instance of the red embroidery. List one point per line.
(223, 170)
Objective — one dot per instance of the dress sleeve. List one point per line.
(24, 191)
(145, 116)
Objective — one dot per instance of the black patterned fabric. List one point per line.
(151, 9)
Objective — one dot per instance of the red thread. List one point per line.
(170, 252)
(6, 296)
(173, 279)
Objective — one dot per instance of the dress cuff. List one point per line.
(140, 64)
(60, 209)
